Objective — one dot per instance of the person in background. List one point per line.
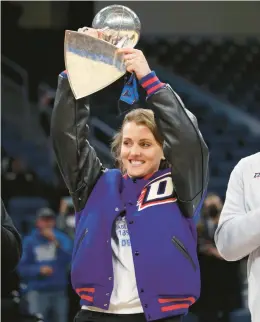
(66, 221)
(44, 268)
(220, 281)
(238, 232)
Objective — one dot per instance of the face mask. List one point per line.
(212, 211)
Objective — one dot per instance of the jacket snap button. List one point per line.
(136, 253)
(107, 294)
(105, 304)
(117, 209)
(110, 278)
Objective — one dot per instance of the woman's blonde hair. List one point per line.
(141, 117)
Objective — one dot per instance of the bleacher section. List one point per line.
(21, 133)
(226, 67)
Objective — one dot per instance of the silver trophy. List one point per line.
(93, 63)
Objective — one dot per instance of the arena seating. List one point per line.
(226, 67)
(37, 157)
(228, 142)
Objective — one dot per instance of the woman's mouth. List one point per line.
(136, 163)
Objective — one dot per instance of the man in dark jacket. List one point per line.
(11, 245)
(11, 251)
(220, 280)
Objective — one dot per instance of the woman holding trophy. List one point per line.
(134, 255)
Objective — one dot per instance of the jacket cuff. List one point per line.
(151, 83)
(64, 74)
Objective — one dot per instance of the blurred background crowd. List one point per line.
(210, 54)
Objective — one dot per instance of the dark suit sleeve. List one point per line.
(11, 246)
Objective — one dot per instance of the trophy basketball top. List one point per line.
(119, 24)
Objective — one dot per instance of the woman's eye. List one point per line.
(145, 144)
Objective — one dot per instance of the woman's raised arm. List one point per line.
(77, 160)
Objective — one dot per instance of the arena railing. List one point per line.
(16, 77)
(16, 107)
(100, 129)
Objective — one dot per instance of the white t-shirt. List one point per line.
(124, 298)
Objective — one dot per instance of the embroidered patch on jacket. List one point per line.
(158, 191)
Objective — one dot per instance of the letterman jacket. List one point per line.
(158, 208)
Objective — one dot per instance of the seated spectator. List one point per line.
(44, 268)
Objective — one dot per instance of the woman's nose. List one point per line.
(135, 150)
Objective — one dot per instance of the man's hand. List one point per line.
(49, 234)
(135, 62)
(46, 270)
